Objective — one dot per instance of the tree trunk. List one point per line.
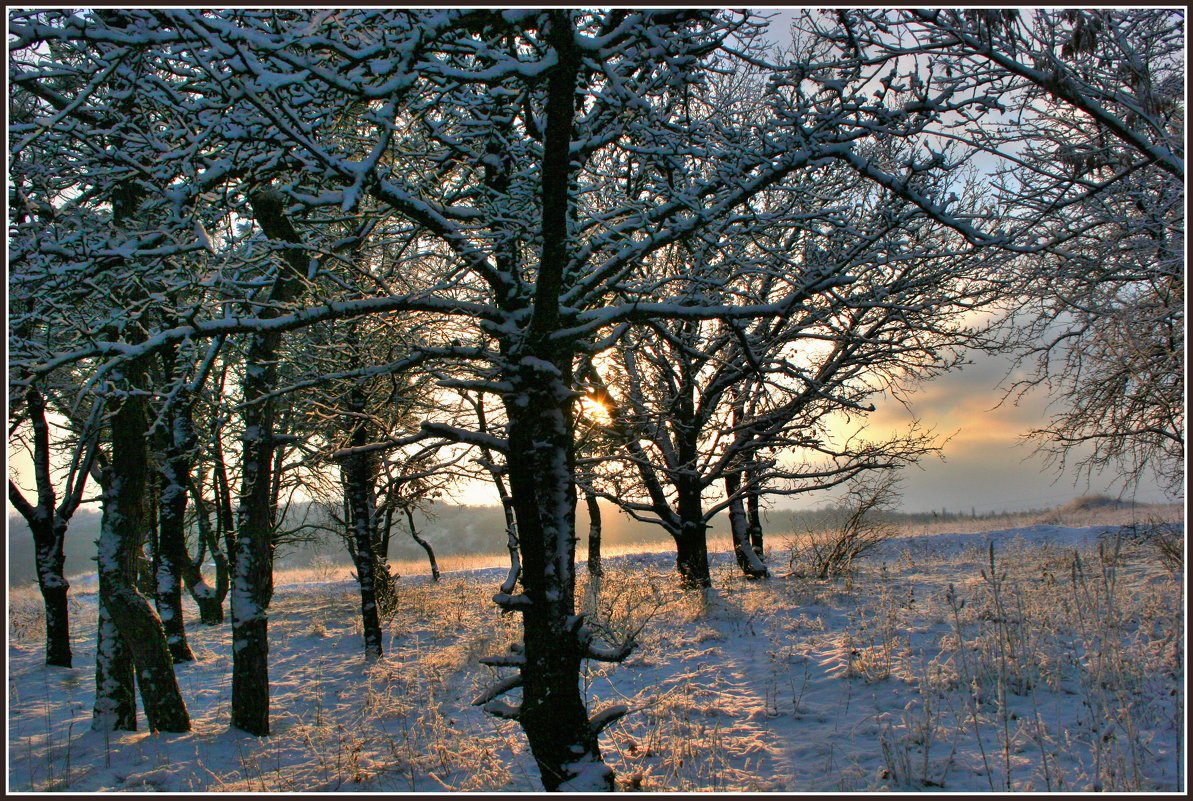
(511, 530)
(48, 539)
(280, 428)
(387, 527)
(359, 484)
(128, 612)
(490, 464)
(171, 544)
(542, 473)
(595, 570)
(115, 683)
(754, 520)
(252, 585)
(252, 564)
(426, 546)
(592, 590)
(552, 713)
(210, 600)
(47, 523)
(54, 596)
(48, 528)
(747, 557)
(224, 517)
(691, 540)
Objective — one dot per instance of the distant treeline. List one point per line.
(474, 530)
(452, 530)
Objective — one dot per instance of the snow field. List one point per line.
(1059, 667)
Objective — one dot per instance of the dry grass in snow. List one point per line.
(1058, 666)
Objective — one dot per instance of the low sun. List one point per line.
(595, 411)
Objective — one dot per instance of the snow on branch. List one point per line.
(607, 717)
(466, 436)
(498, 689)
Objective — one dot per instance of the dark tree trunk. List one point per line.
(359, 480)
(275, 484)
(252, 585)
(57, 614)
(511, 539)
(210, 600)
(48, 541)
(542, 473)
(172, 558)
(426, 546)
(128, 612)
(754, 521)
(49, 535)
(691, 539)
(48, 526)
(387, 527)
(47, 523)
(691, 558)
(595, 570)
(142, 632)
(592, 590)
(553, 713)
(224, 517)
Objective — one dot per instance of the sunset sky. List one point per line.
(987, 466)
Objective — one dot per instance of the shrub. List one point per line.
(833, 552)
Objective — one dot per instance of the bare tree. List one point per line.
(49, 517)
(1077, 116)
(706, 405)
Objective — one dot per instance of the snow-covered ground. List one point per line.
(1062, 667)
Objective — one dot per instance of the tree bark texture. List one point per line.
(115, 684)
(739, 523)
(553, 713)
(691, 538)
(754, 522)
(47, 524)
(595, 570)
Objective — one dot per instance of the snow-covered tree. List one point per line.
(81, 268)
(48, 515)
(706, 407)
(1078, 115)
(532, 168)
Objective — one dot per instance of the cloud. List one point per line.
(988, 463)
